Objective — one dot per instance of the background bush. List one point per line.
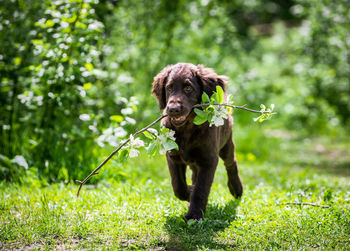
(77, 74)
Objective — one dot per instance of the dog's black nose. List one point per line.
(174, 110)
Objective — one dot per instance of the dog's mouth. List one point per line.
(179, 120)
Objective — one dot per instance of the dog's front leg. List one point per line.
(177, 171)
(200, 193)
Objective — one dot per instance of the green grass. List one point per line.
(136, 209)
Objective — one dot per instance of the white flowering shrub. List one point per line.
(55, 91)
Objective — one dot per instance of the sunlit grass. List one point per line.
(137, 208)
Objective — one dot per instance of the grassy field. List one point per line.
(133, 206)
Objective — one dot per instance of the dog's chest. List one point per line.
(189, 146)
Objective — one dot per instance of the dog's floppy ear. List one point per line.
(209, 79)
(159, 86)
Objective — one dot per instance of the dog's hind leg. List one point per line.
(227, 154)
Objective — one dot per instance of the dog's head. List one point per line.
(179, 87)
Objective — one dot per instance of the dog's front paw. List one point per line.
(194, 216)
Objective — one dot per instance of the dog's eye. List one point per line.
(188, 88)
(169, 88)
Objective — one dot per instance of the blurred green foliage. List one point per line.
(77, 73)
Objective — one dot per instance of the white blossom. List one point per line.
(136, 143)
(93, 128)
(120, 132)
(19, 159)
(217, 120)
(133, 153)
(153, 131)
(112, 140)
(126, 111)
(100, 140)
(84, 117)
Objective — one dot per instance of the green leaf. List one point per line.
(63, 174)
(170, 144)
(152, 148)
(37, 42)
(122, 174)
(70, 19)
(256, 119)
(210, 117)
(214, 98)
(219, 94)
(49, 23)
(17, 60)
(199, 120)
(123, 155)
(200, 113)
(148, 135)
(210, 108)
(89, 66)
(164, 130)
(117, 118)
(205, 98)
(87, 86)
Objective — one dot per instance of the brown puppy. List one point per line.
(178, 88)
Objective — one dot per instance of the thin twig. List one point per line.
(234, 106)
(94, 172)
(304, 204)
